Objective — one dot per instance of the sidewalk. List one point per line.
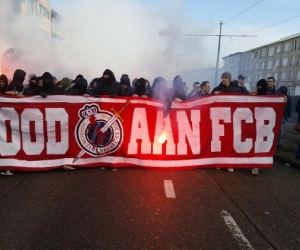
(287, 153)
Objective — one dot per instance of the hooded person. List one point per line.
(3, 84)
(66, 86)
(176, 93)
(80, 85)
(158, 90)
(127, 90)
(261, 87)
(140, 88)
(49, 88)
(16, 87)
(226, 86)
(107, 85)
(33, 87)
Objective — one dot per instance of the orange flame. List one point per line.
(163, 137)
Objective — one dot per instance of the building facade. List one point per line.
(280, 59)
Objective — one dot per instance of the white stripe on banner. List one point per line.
(169, 189)
(235, 230)
(138, 162)
(201, 101)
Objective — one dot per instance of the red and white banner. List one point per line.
(216, 131)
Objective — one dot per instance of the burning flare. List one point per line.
(163, 137)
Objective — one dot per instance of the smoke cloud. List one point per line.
(124, 36)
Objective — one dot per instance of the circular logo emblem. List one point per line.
(99, 132)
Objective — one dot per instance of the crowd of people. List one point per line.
(140, 87)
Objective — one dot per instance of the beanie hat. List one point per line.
(66, 83)
(242, 77)
(227, 75)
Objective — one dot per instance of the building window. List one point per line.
(292, 61)
(256, 78)
(298, 60)
(298, 75)
(249, 79)
(276, 76)
(283, 76)
(276, 63)
(251, 56)
(284, 62)
(268, 75)
(44, 11)
(271, 51)
(269, 64)
(286, 47)
(262, 66)
(237, 59)
(294, 45)
(278, 49)
(250, 67)
(263, 53)
(256, 66)
(260, 77)
(257, 54)
(291, 75)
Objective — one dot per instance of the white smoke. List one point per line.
(123, 36)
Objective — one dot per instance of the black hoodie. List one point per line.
(17, 82)
(33, 88)
(288, 105)
(262, 87)
(127, 89)
(3, 89)
(49, 86)
(176, 92)
(108, 86)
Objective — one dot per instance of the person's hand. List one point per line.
(253, 92)
(217, 92)
(144, 96)
(177, 100)
(135, 95)
(10, 93)
(285, 98)
(86, 95)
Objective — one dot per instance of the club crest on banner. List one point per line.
(99, 132)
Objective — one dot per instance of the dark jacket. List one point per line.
(175, 92)
(17, 82)
(81, 86)
(49, 86)
(226, 89)
(70, 91)
(4, 88)
(288, 105)
(243, 90)
(33, 88)
(108, 86)
(273, 91)
(298, 109)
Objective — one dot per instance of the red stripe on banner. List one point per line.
(8, 131)
(32, 131)
(57, 131)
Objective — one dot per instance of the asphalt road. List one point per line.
(129, 209)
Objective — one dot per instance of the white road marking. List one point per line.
(169, 189)
(236, 231)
